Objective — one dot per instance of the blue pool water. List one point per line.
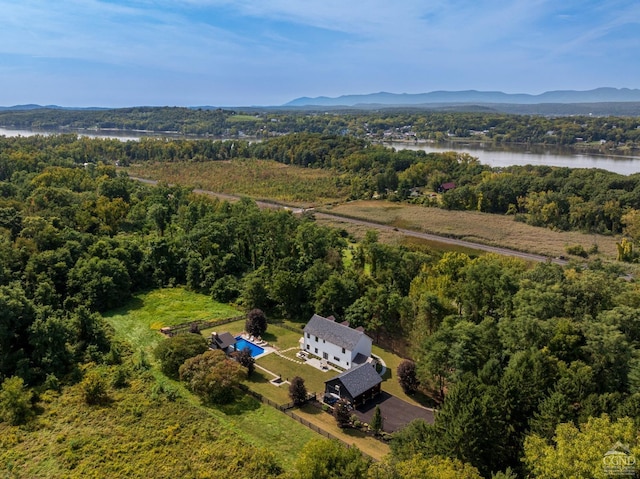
(243, 343)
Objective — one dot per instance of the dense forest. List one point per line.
(597, 132)
(529, 364)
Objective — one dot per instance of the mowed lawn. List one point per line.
(491, 229)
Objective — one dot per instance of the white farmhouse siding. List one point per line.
(336, 343)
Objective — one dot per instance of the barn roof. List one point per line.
(359, 380)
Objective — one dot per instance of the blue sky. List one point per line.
(261, 52)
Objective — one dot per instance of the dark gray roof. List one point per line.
(335, 333)
(360, 359)
(224, 340)
(359, 380)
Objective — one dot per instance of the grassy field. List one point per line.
(138, 323)
(496, 230)
(366, 444)
(140, 320)
(139, 434)
(257, 179)
(308, 187)
(243, 118)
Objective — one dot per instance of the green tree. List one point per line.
(324, 459)
(411, 440)
(297, 390)
(174, 351)
(15, 401)
(376, 424)
(579, 451)
(342, 413)
(50, 338)
(212, 376)
(407, 376)
(101, 284)
(471, 427)
(256, 323)
(17, 313)
(435, 467)
(245, 359)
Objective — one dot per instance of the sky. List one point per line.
(117, 53)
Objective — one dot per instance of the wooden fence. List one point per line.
(287, 409)
(199, 324)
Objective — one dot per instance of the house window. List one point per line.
(316, 339)
(308, 335)
(325, 355)
(307, 347)
(336, 358)
(316, 350)
(347, 363)
(343, 351)
(323, 341)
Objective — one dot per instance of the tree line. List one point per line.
(498, 128)
(590, 200)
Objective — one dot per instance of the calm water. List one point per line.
(512, 155)
(113, 135)
(243, 343)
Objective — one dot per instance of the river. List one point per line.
(534, 155)
(487, 154)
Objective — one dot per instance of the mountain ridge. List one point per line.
(597, 95)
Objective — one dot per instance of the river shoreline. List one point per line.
(494, 155)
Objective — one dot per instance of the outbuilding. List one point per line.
(357, 385)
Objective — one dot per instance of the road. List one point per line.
(381, 227)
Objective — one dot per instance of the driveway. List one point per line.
(396, 413)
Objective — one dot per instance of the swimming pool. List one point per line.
(243, 343)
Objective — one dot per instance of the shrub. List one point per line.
(174, 351)
(576, 250)
(94, 387)
(15, 401)
(52, 383)
(120, 378)
(163, 389)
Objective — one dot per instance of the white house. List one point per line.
(336, 343)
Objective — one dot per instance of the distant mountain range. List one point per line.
(443, 98)
(600, 101)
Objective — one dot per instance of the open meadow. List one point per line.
(495, 230)
(257, 179)
(309, 187)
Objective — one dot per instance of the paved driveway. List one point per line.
(396, 413)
